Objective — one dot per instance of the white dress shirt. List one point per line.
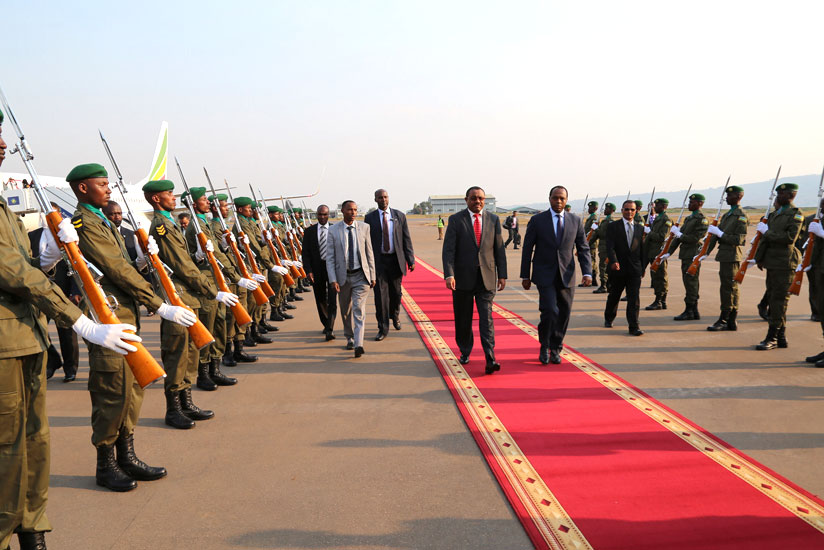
(480, 219)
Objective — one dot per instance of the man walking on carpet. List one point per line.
(626, 266)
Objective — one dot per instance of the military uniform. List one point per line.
(734, 226)
(690, 242)
(601, 237)
(249, 227)
(593, 244)
(812, 286)
(653, 243)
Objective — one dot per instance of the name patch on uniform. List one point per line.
(77, 222)
(161, 230)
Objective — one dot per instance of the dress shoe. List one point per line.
(543, 357)
(350, 344)
(380, 336)
(330, 336)
(359, 351)
(815, 358)
(492, 367)
(396, 323)
(190, 409)
(32, 541)
(820, 364)
(636, 332)
(109, 474)
(174, 413)
(133, 466)
(70, 378)
(464, 359)
(815, 318)
(624, 299)
(607, 324)
(555, 357)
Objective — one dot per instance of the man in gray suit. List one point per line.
(350, 265)
(474, 266)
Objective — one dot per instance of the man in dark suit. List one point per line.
(474, 266)
(513, 225)
(315, 242)
(115, 215)
(626, 267)
(392, 246)
(552, 235)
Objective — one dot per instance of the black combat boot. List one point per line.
(240, 356)
(190, 409)
(269, 328)
(275, 315)
(656, 305)
(300, 289)
(257, 337)
(721, 323)
(781, 337)
(133, 466)
(32, 541)
(731, 321)
(109, 474)
(228, 356)
(664, 301)
(218, 377)
(295, 297)
(283, 311)
(286, 304)
(600, 290)
(203, 380)
(687, 315)
(695, 314)
(174, 413)
(248, 340)
(770, 342)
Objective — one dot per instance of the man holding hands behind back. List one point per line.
(552, 235)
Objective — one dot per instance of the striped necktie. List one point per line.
(322, 241)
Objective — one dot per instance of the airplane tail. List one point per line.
(159, 161)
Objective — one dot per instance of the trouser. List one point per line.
(462, 301)
(233, 330)
(660, 282)
(818, 275)
(24, 446)
(325, 299)
(690, 283)
(729, 288)
(353, 305)
(279, 286)
(778, 283)
(603, 272)
(179, 355)
(619, 281)
(387, 291)
(555, 304)
(515, 236)
(115, 394)
(812, 288)
(208, 315)
(440, 233)
(593, 256)
(69, 350)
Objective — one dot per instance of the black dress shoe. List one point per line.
(330, 336)
(396, 323)
(815, 358)
(555, 357)
(70, 378)
(380, 336)
(636, 332)
(608, 324)
(624, 299)
(359, 351)
(492, 367)
(350, 344)
(464, 359)
(543, 357)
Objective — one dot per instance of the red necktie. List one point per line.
(385, 232)
(477, 230)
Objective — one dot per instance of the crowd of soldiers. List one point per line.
(782, 237)
(28, 297)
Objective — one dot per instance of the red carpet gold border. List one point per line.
(786, 496)
(554, 524)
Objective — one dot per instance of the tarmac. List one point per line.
(316, 449)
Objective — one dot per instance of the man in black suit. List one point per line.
(513, 225)
(315, 242)
(115, 215)
(392, 246)
(474, 266)
(626, 267)
(552, 235)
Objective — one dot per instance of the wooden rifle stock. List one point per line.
(293, 270)
(241, 315)
(301, 272)
(795, 286)
(260, 296)
(656, 263)
(198, 332)
(253, 264)
(693, 268)
(286, 277)
(739, 276)
(146, 370)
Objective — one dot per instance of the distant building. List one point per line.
(448, 204)
(520, 210)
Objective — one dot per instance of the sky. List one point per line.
(423, 97)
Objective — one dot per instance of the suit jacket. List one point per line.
(400, 237)
(312, 262)
(551, 259)
(128, 238)
(631, 259)
(462, 256)
(337, 252)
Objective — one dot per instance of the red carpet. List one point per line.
(589, 461)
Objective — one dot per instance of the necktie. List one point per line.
(386, 232)
(351, 262)
(322, 242)
(629, 234)
(559, 228)
(477, 230)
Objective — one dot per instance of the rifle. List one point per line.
(241, 315)
(584, 209)
(795, 286)
(598, 217)
(649, 208)
(656, 263)
(705, 247)
(159, 271)
(146, 370)
(260, 296)
(287, 278)
(292, 240)
(267, 289)
(739, 277)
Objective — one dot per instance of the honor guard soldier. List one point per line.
(730, 235)
(817, 272)
(657, 233)
(212, 313)
(278, 301)
(778, 254)
(26, 296)
(179, 355)
(812, 288)
(601, 237)
(689, 237)
(592, 218)
(291, 295)
(639, 219)
(246, 223)
(267, 261)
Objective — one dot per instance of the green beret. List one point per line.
(298, 210)
(787, 187)
(593, 203)
(219, 196)
(243, 201)
(610, 205)
(273, 208)
(156, 186)
(196, 192)
(662, 201)
(1, 116)
(86, 171)
(257, 204)
(697, 197)
(639, 204)
(735, 189)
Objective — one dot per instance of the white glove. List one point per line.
(287, 263)
(751, 261)
(762, 227)
(805, 269)
(267, 234)
(200, 255)
(676, 231)
(816, 229)
(713, 230)
(701, 259)
(108, 336)
(258, 277)
(594, 226)
(141, 259)
(248, 284)
(66, 231)
(152, 246)
(226, 298)
(665, 256)
(647, 229)
(49, 251)
(280, 270)
(246, 238)
(298, 264)
(225, 238)
(177, 314)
